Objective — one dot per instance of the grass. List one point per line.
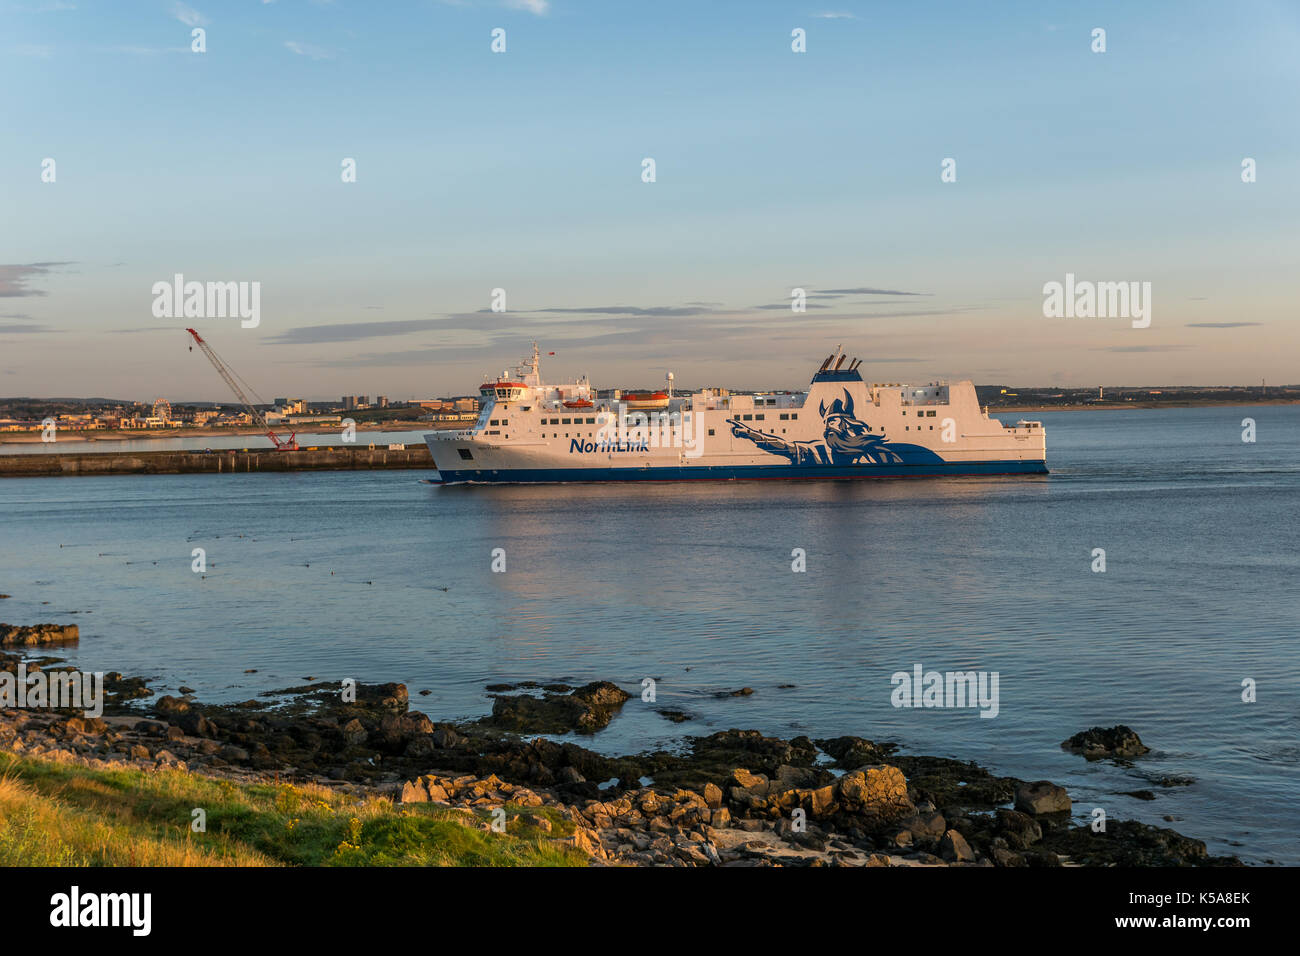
(58, 814)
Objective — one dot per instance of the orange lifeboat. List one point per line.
(646, 399)
(578, 403)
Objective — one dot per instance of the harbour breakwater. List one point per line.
(222, 461)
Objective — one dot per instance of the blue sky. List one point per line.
(522, 171)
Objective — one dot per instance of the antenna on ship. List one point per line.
(839, 363)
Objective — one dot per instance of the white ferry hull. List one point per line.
(842, 428)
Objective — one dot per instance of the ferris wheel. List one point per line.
(162, 409)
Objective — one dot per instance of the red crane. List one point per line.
(233, 380)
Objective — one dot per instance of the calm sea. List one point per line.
(377, 576)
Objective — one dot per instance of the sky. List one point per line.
(523, 171)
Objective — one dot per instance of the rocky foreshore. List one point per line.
(733, 798)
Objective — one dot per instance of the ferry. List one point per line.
(842, 427)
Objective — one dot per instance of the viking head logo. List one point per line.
(850, 439)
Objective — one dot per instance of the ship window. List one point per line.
(591, 421)
(785, 417)
(710, 431)
(929, 414)
(567, 421)
(794, 415)
(505, 421)
(465, 454)
(493, 422)
(748, 418)
(759, 418)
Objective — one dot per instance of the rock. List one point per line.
(1042, 797)
(794, 778)
(85, 725)
(421, 746)
(586, 710)
(413, 791)
(879, 790)
(19, 635)
(954, 848)
(853, 752)
(185, 690)
(587, 841)
(819, 802)
(446, 739)
(195, 724)
(1113, 742)
(712, 796)
(354, 733)
(1130, 843)
(1019, 829)
(536, 820)
(229, 753)
(172, 706)
(1005, 857)
(926, 826)
(754, 782)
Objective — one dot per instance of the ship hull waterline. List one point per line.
(739, 473)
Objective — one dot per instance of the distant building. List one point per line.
(381, 401)
(349, 402)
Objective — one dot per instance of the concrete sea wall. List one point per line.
(332, 458)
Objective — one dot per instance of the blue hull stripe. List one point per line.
(743, 472)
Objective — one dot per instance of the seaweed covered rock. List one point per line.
(1096, 743)
(585, 710)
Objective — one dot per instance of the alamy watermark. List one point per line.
(1084, 299)
(73, 690)
(641, 431)
(208, 300)
(951, 689)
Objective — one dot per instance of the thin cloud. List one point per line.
(629, 310)
(537, 7)
(308, 50)
(831, 15)
(14, 278)
(1142, 348)
(351, 331)
(867, 290)
(188, 15)
(23, 329)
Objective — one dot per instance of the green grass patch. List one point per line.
(57, 814)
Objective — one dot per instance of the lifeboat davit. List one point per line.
(646, 399)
